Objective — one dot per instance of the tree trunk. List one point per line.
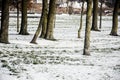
(50, 22)
(44, 24)
(23, 30)
(40, 23)
(88, 28)
(17, 16)
(79, 31)
(101, 14)
(4, 22)
(115, 19)
(95, 16)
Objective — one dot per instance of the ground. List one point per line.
(61, 59)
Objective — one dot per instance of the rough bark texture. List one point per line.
(50, 23)
(4, 22)
(95, 16)
(79, 31)
(115, 19)
(40, 24)
(23, 30)
(44, 24)
(88, 28)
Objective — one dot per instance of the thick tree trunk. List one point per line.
(40, 23)
(95, 16)
(50, 23)
(23, 30)
(4, 22)
(115, 19)
(88, 28)
(79, 31)
(44, 24)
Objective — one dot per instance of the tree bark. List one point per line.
(88, 28)
(95, 16)
(40, 23)
(17, 16)
(44, 24)
(100, 26)
(79, 31)
(115, 19)
(50, 22)
(4, 22)
(23, 30)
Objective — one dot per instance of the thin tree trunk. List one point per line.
(115, 19)
(40, 23)
(44, 24)
(23, 30)
(80, 28)
(17, 16)
(88, 28)
(100, 25)
(95, 16)
(4, 22)
(51, 16)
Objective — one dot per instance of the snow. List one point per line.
(61, 59)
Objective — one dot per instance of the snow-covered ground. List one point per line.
(61, 59)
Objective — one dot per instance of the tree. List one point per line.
(80, 28)
(115, 19)
(23, 30)
(50, 22)
(44, 24)
(41, 21)
(4, 22)
(17, 15)
(88, 28)
(101, 14)
(95, 16)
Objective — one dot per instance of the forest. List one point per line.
(65, 46)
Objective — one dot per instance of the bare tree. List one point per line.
(80, 28)
(88, 28)
(95, 16)
(45, 13)
(23, 30)
(42, 22)
(50, 22)
(4, 22)
(100, 25)
(115, 19)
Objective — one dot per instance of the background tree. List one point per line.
(115, 19)
(4, 22)
(100, 25)
(95, 16)
(23, 30)
(80, 28)
(50, 22)
(88, 28)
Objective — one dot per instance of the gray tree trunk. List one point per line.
(88, 28)
(44, 24)
(50, 22)
(95, 16)
(115, 19)
(23, 30)
(80, 28)
(4, 22)
(40, 23)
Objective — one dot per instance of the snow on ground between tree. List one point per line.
(61, 59)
